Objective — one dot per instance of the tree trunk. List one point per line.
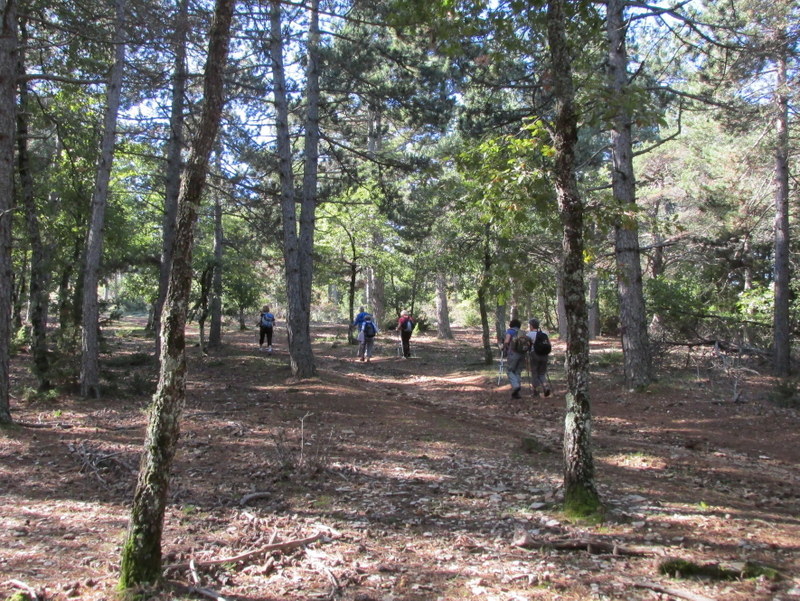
(594, 307)
(8, 91)
(141, 551)
(781, 323)
(632, 314)
(215, 330)
(500, 322)
(90, 351)
(580, 493)
(174, 162)
(442, 310)
(297, 250)
(39, 272)
(483, 290)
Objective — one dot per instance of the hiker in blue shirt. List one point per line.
(366, 338)
(266, 324)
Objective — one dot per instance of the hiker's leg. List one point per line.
(269, 336)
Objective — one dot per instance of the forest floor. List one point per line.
(406, 480)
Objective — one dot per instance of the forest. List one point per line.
(620, 170)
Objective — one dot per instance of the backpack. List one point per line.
(408, 326)
(541, 345)
(521, 343)
(267, 320)
(369, 329)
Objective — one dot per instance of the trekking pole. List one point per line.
(501, 367)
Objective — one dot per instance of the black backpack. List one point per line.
(369, 329)
(541, 344)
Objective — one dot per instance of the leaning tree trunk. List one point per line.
(781, 323)
(632, 314)
(39, 272)
(8, 91)
(580, 492)
(90, 351)
(442, 310)
(174, 161)
(141, 552)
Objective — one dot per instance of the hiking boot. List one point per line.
(515, 393)
(547, 392)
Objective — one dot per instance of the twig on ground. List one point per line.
(284, 546)
(205, 592)
(25, 587)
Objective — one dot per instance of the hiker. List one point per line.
(405, 326)
(359, 321)
(366, 338)
(515, 350)
(266, 323)
(537, 357)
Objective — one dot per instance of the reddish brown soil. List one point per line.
(420, 477)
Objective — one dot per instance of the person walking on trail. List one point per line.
(366, 338)
(266, 324)
(515, 350)
(538, 357)
(405, 326)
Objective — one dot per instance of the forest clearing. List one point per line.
(412, 480)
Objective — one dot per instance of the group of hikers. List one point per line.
(364, 325)
(531, 350)
(520, 349)
(367, 329)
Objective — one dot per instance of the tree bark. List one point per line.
(632, 314)
(90, 351)
(174, 161)
(442, 309)
(579, 486)
(8, 91)
(483, 291)
(296, 250)
(781, 325)
(141, 551)
(215, 329)
(39, 272)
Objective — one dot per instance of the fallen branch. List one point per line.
(28, 589)
(669, 590)
(594, 547)
(252, 496)
(284, 546)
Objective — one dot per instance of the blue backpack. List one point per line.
(267, 320)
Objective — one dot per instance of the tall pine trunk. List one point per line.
(215, 329)
(174, 161)
(580, 493)
(90, 349)
(8, 97)
(141, 551)
(39, 271)
(781, 325)
(296, 252)
(632, 314)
